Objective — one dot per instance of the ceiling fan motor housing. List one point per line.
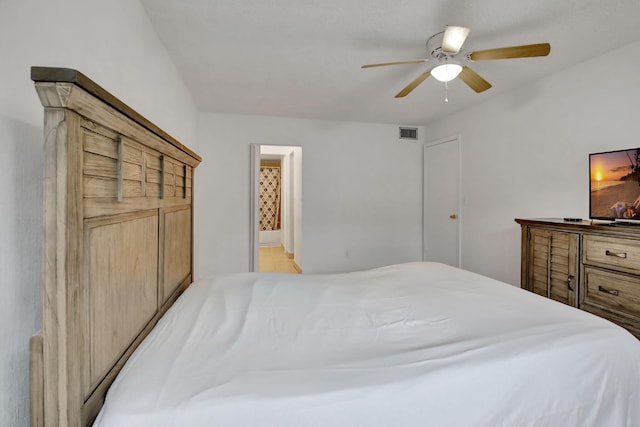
(434, 46)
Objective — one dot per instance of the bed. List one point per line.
(417, 344)
(128, 340)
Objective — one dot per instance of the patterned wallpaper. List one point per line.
(269, 198)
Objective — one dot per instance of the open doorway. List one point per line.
(276, 190)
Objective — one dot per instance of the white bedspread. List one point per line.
(417, 344)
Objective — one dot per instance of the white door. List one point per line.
(441, 218)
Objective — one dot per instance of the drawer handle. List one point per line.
(569, 280)
(609, 291)
(616, 254)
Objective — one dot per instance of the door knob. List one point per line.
(453, 216)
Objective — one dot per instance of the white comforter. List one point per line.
(417, 344)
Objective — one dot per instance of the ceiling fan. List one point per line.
(444, 48)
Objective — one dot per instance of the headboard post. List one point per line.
(62, 251)
(117, 247)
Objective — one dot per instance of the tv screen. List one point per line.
(615, 185)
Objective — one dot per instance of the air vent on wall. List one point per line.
(408, 133)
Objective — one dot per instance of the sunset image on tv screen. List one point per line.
(615, 184)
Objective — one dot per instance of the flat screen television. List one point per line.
(615, 185)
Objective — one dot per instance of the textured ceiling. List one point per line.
(302, 58)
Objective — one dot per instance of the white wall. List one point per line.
(287, 202)
(525, 154)
(297, 192)
(113, 43)
(361, 192)
(270, 238)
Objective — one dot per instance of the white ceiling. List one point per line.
(302, 58)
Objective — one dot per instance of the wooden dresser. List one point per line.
(591, 266)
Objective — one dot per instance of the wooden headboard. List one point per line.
(118, 242)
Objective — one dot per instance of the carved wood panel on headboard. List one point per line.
(118, 242)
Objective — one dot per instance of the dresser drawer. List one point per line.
(612, 291)
(613, 253)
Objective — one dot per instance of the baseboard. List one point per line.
(288, 254)
(297, 267)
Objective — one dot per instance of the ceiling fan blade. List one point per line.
(473, 80)
(414, 84)
(384, 64)
(453, 39)
(526, 51)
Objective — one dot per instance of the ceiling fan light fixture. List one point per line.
(446, 72)
(454, 37)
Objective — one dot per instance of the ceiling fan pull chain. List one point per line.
(446, 87)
